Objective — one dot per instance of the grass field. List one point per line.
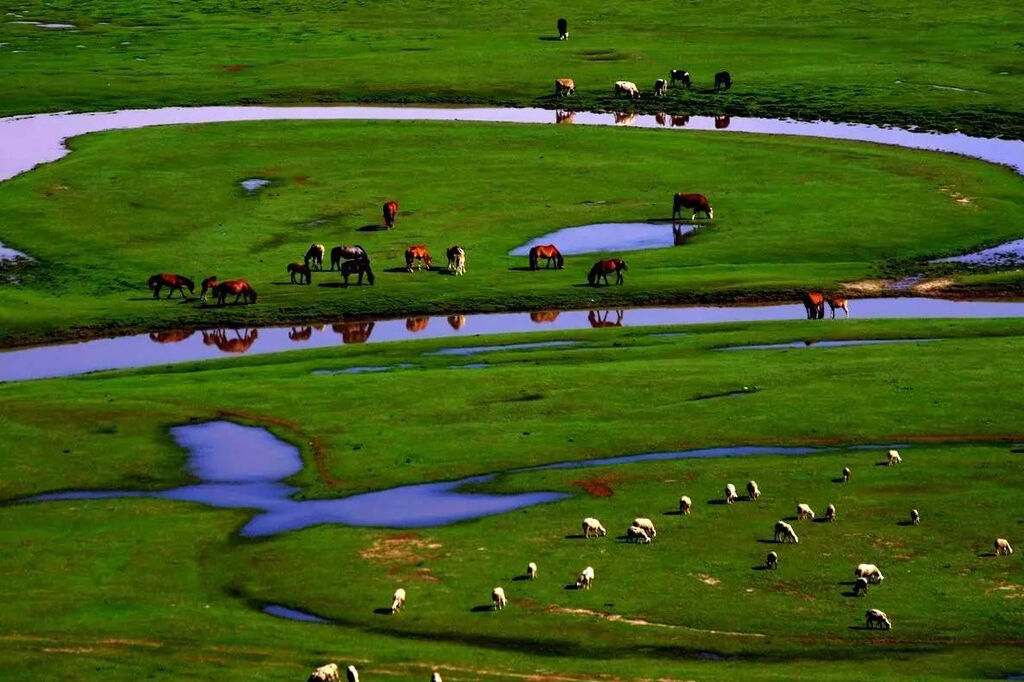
(790, 213)
(161, 589)
(939, 64)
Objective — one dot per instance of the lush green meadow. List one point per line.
(940, 64)
(790, 213)
(167, 590)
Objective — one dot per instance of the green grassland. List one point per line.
(790, 213)
(167, 590)
(940, 64)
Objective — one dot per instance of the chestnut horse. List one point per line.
(456, 260)
(303, 271)
(239, 287)
(239, 344)
(173, 336)
(172, 282)
(300, 334)
(840, 303)
(698, 203)
(457, 322)
(548, 251)
(814, 304)
(390, 210)
(417, 253)
(360, 266)
(353, 332)
(603, 268)
(416, 324)
(208, 284)
(314, 258)
(340, 253)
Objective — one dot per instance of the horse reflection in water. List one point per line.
(456, 322)
(416, 324)
(542, 316)
(353, 332)
(300, 334)
(564, 116)
(173, 336)
(239, 341)
(600, 318)
(722, 122)
(625, 118)
(680, 121)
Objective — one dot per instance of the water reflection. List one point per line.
(231, 340)
(416, 324)
(661, 118)
(298, 334)
(173, 336)
(722, 122)
(680, 121)
(602, 318)
(353, 332)
(543, 316)
(457, 322)
(564, 116)
(625, 118)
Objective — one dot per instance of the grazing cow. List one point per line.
(418, 253)
(638, 535)
(239, 287)
(359, 267)
(302, 270)
(531, 571)
(603, 268)
(722, 122)
(207, 284)
(398, 600)
(846, 473)
(771, 562)
(723, 80)
(626, 89)
(647, 525)
(173, 283)
(586, 579)
(915, 517)
(550, 253)
(456, 260)
(869, 572)
(753, 492)
(685, 505)
(1002, 547)
(894, 458)
(838, 303)
(564, 87)
(860, 587)
(352, 674)
(315, 256)
(340, 253)
(830, 513)
(325, 673)
(697, 203)
(875, 617)
(814, 304)
(592, 526)
(563, 29)
(390, 210)
(804, 511)
(730, 493)
(784, 532)
(660, 87)
(681, 76)
(498, 598)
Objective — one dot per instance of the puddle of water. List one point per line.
(252, 185)
(474, 350)
(825, 344)
(41, 24)
(9, 255)
(142, 350)
(1010, 254)
(472, 365)
(225, 452)
(610, 237)
(372, 369)
(279, 611)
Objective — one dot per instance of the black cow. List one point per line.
(681, 76)
(723, 80)
(563, 29)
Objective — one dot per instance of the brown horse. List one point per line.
(314, 258)
(239, 287)
(172, 282)
(599, 319)
(300, 334)
(353, 332)
(549, 252)
(542, 316)
(390, 210)
(340, 253)
(836, 302)
(173, 336)
(456, 260)
(360, 266)
(303, 271)
(208, 284)
(698, 203)
(416, 324)
(241, 342)
(457, 322)
(603, 268)
(417, 253)
(814, 304)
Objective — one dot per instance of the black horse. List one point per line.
(603, 268)
(359, 266)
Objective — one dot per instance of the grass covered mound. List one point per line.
(790, 213)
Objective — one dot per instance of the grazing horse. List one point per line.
(418, 253)
(300, 334)
(456, 260)
(838, 302)
(241, 342)
(173, 336)
(563, 29)
(390, 210)
(416, 324)
(722, 122)
(814, 304)
(457, 322)
(564, 87)
(360, 266)
(603, 268)
(549, 252)
(681, 76)
(600, 319)
(239, 287)
(698, 203)
(302, 270)
(723, 80)
(353, 332)
(340, 253)
(172, 282)
(315, 255)
(208, 284)
(565, 116)
(542, 316)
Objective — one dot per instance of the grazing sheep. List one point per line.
(325, 673)
(753, 492)
(730, 493)
(894, 458)
(846, 474)
(531, 571)
(586, 579)
(830, 513)
(1003, 547)
(685, 505)
(647, 525)
(592, 526)
(785, 531)
(639, 535)
(915, 517)
(771, 561)
(804, 511)
(498, 598)
(869, 572)
(660, 87)
(398, 601)
(352, 674)
(860, 587)
(436, 677)
(875, 617)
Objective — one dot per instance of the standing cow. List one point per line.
(660, 87)
(697, 203)
(723, 81)
(627, 89)
(681, 76)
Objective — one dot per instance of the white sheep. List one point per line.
(875, 617)
(685, 505)
(830, 513)
(531, 571)
(860, 587)
(639, 535)
(915, 517)
(771, 561)
(498, 598)
(894, 458)
(1003, 547)
(804, 511)
(586, 579)
(785, 531)
(592, 526)
(730, 493)
(869, 572)
(352, 674)
(398, 600)
(325, 673)
(846, 474)
(647, 525)
(753, 492)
